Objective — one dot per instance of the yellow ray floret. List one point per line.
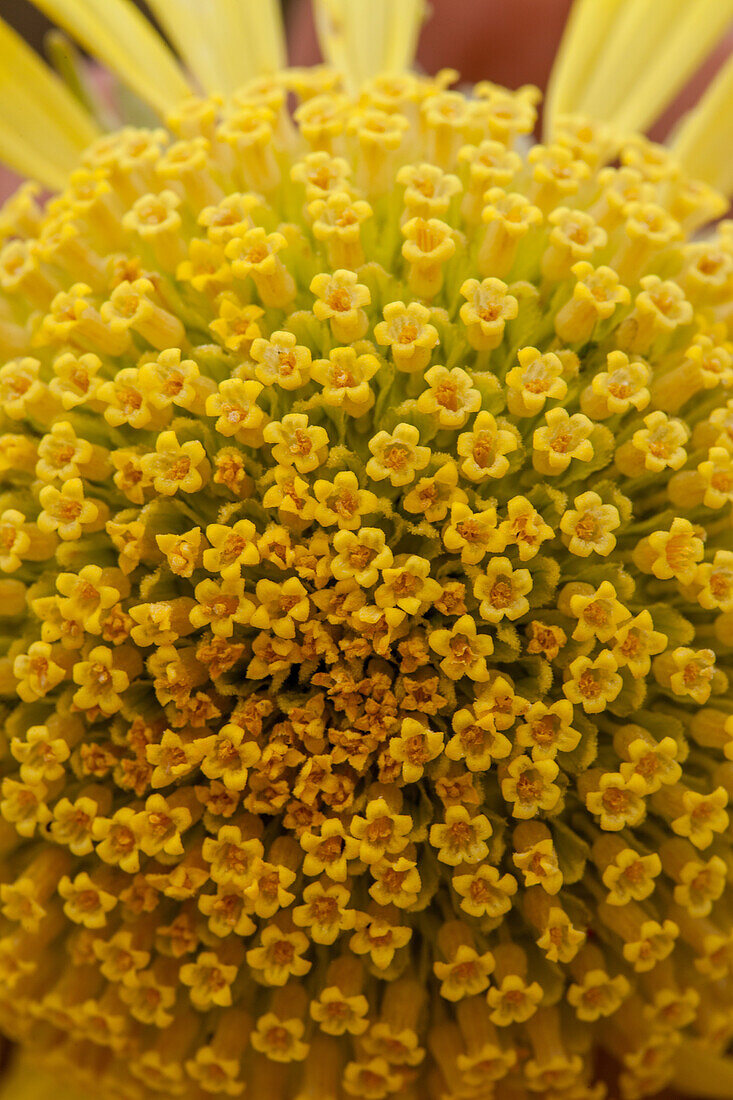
(225, 42)
(43, 129)
(705, 137)
(624, 62)
(117, 34)
(665, 68)
(587, 29)
(364, 37)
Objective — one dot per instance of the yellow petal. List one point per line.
(670, 62)
(27, 161)
(627, 48)
(361, 38)
(623, 61)
(225, 42)
(704, 139)
(117, 34)
(43, 128)
(702, 1073)
(586, 31)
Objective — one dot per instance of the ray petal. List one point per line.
(43, 128)
(118, 35)
(587, 29)
(668, 66)
(364, 37)
(704, 139)
(227, 42)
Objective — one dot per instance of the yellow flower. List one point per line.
(450, 398)
(407, 331)
(415, 747)
(236, 326)
(281, 361)
(463, 649)
(487, 308)
(535, 379)
(337, 221)
(588, 526)
(466, 975)
(339, 300)
(514, 1000)
(560, 440)
(597, 995)
(429, 244)
(173, 465)
(529, 786)
(300, 387)
(396, 455)
(485, 447)
(547, 730)
(461, 838)
(484, 892)
(593, 683)
(502, 591)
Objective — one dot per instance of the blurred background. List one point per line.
(511, 42)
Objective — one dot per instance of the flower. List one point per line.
(365, 569)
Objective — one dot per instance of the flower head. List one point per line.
(367, 586)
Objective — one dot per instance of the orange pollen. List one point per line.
(394, 880)
(69, 510)
(88, 900)
(346, 504)
(283, 952)
(406, 585)
(80, 379)
(465, 971)
(223, 607)
(408, 334)
(257, 254)
(589, 684)
(635, 872)
(461, 650)
(515, 997)
(360, 557)
(278, 1038)
(562, 441)
(484, 450)
(8, 535)
(545, 730)
(341, 379)
(396, 456)
(461, 835)
(232, 548)
(446, 395)
(502, 593)
(615, 800)
(379, 831)
(587, 528)
(330, 850)
(529, 786)
(489, 311)
(179, 469)
(324, 910)
(631, 646)
(340, 300)
(720, 584)
(596, 614)
(287, 361)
